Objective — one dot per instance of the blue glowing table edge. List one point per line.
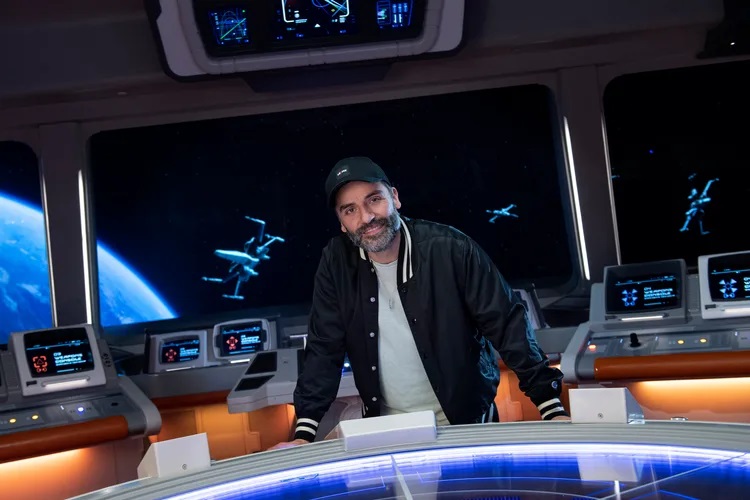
(707, 435)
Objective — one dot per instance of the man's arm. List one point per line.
(319, 381)
(502, 318)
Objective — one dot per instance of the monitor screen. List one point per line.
(729, 277)
(300, 19)
(232, 27)
(228, 25)
(643, 293)
(237, 338)
(58, 352)
(637, 289)
(65, 358)
(180, 350)
(176, 350)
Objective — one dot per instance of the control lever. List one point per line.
(634, 342)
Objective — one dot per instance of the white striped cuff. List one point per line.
(551, 408)
(306, 429)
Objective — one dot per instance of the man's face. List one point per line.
(368, 213)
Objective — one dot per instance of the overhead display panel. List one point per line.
(199, 38)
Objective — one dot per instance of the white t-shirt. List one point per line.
(403, 380)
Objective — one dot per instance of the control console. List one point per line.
(56, 377)
(648, 310)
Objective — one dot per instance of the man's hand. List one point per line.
(561, 417)
(289, 444)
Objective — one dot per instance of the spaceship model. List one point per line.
(697, 210)
(244, 262)
(504, 212)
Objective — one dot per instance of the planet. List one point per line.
(124, 296)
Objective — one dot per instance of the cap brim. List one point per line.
(335, 190)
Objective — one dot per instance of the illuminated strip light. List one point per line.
(53, 301)
(736, 310)
(611, 188)
(66, 384)
(85, 247)
(644, 318)
(576, 202)
(178, 369)
(48, 463)
(235, 361)
(697, 384)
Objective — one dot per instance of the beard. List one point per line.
(380, 241)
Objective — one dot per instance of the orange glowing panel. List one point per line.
(710, 400)
(692, 365)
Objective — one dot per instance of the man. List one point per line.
(415, 305)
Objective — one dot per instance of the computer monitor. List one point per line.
(57, 359)
(198, 38)
(237, 340)
(724, 285)
(174, 351)
(645, 291)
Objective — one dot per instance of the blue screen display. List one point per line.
(394, 14)
(297, 19)
(643, 293)
(229, 26)
(244, 338)
(729, 277)
(588, 470)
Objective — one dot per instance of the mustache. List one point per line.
(372, 225)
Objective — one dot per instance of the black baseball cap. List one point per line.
(355, 168)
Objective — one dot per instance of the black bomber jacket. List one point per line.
(456, 302)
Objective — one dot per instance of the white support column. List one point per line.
(586, 150)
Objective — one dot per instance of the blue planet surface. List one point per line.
(125, 297)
